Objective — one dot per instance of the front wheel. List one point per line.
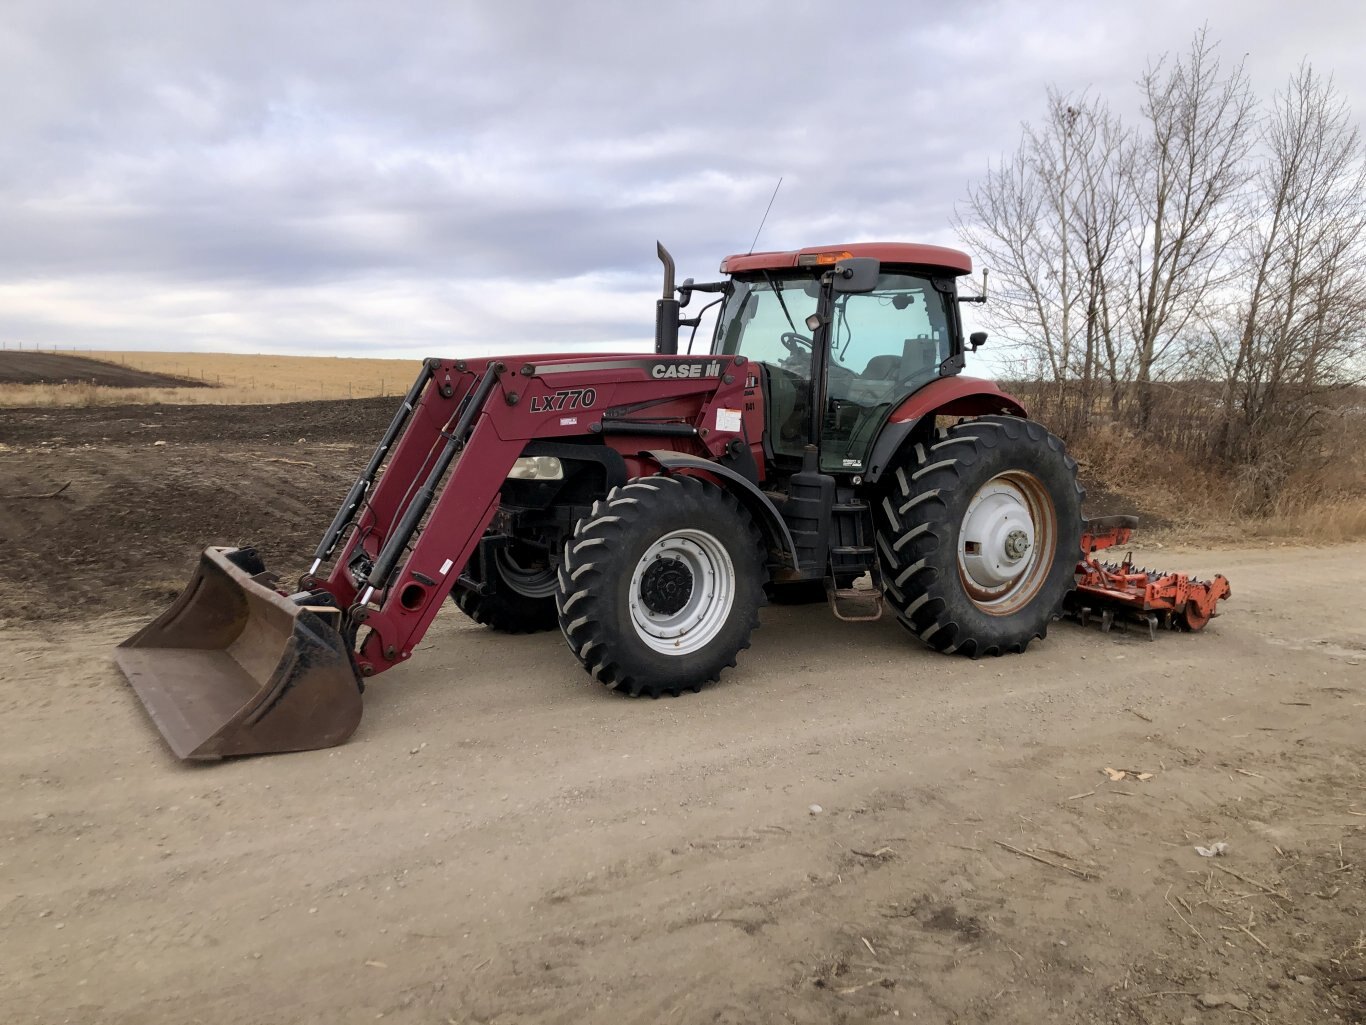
(979, 533)
(660, 585)
(522, 593)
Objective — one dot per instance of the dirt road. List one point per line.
(506, 841)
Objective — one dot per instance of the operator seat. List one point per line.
(918, 362)
(918, 355)
(882, 368)
(919, 358)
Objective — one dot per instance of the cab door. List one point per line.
(883, 345)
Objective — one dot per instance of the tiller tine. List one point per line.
(235, 668)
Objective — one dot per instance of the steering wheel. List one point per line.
(798, 345)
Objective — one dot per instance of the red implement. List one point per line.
(1173, 600)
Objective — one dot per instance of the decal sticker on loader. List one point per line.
(674, 371)
(728, 421)
(569, 398)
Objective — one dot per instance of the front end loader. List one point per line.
(647, 505)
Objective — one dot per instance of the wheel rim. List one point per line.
(529, 583)
(682, 592)
(1006, 542)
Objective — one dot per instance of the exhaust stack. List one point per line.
(667, 309)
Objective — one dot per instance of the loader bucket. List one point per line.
(235, 668)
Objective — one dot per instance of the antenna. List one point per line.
(766, 210)
(977, 298)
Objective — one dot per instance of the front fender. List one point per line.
(765, 514)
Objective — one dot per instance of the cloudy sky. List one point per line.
(407, 178)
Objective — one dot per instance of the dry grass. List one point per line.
(1126, 463)
(1323, 503)
(83, 393)
(237, 379)
(1323, 522)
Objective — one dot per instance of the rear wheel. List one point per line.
(979, 533)
(522, 599)
(660, 585)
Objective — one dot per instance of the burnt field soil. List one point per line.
(18, 367)
(506, 841)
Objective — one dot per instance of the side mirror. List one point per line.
(977, 339)
(857, 274)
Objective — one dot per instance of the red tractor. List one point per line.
(645, 505)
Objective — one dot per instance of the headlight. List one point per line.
(536, 468)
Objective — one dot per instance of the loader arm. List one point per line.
(416, 529)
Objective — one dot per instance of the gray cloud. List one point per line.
(371, 177)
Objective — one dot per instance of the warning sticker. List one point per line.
(728, 421)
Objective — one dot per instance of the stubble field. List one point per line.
(110, 378)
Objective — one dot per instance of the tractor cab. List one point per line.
(843, 335)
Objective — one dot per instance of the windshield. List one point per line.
(760, 312)
(765, 319)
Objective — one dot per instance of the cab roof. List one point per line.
(940, 257)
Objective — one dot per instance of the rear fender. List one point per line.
(770, 522)
(945, 396)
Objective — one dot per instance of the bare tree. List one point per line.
(1299, 324)
(1218, 249)
(1002, 226)
(1049, 221)
(1190, 172)
(1102, 215)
